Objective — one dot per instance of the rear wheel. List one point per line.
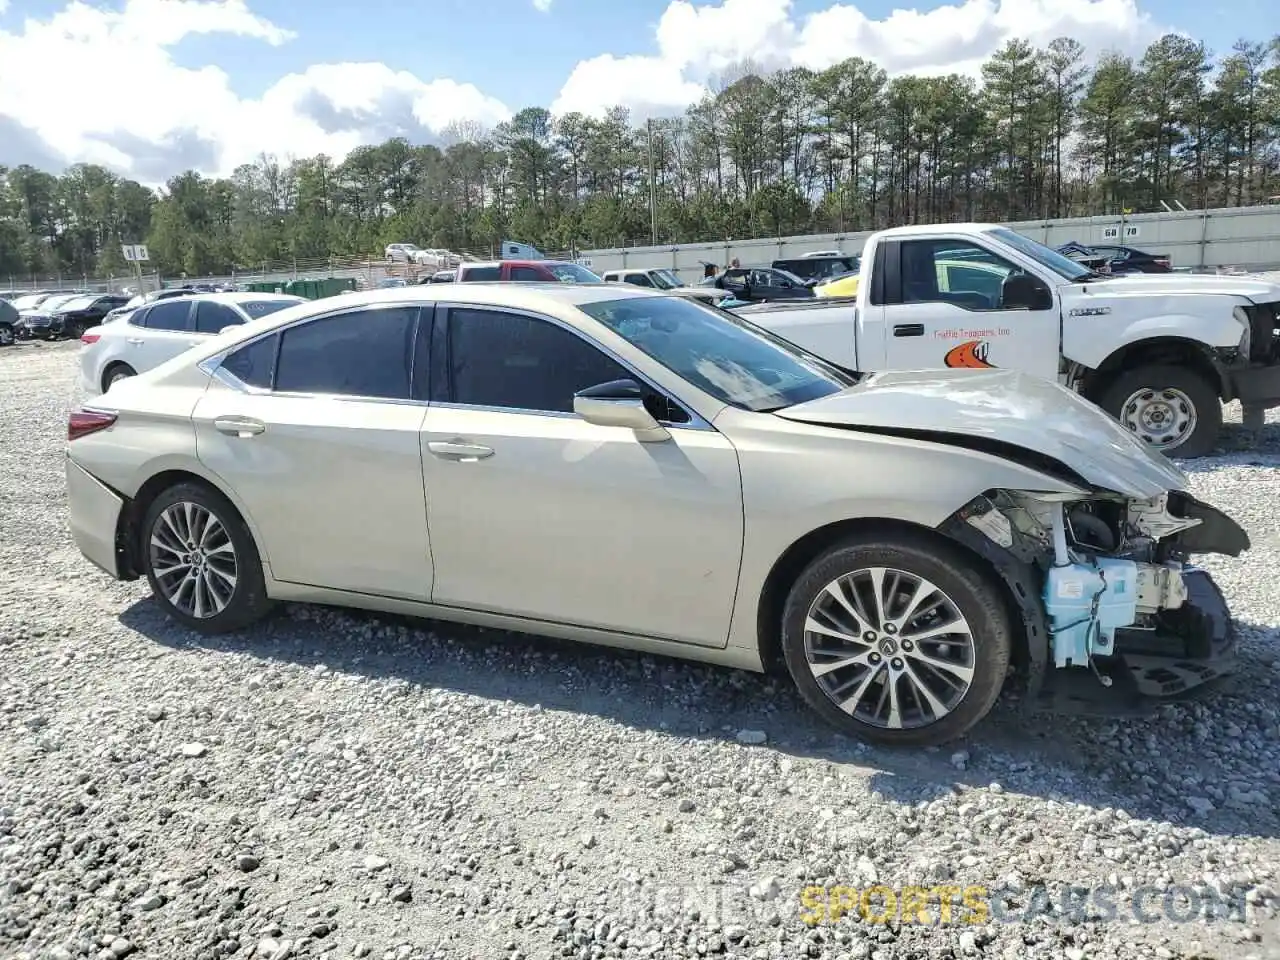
(1176, 410)
(897, 641)
(201, 561)
(115, 372)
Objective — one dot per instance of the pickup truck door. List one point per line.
(952, 302)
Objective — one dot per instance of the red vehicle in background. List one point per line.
(535, 271)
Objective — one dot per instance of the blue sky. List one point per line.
(144, 85)
(522, 56)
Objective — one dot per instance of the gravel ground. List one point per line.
(334, 784)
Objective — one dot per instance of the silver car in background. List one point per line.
(608, 464)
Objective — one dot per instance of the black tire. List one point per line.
(1202, 395)
(248, 602)
(7, 337)
(974, 594)
(117, 371)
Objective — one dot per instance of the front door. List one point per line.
(534, 512)
(326, 458)
(957, 304)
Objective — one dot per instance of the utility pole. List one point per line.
(653, 194)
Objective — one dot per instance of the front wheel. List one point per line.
(1176, 410)
(201, 561)
(7, 336)
(897, 641)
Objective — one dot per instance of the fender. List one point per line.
(1092, 350)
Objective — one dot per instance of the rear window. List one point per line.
(480, 274)
(260, 308)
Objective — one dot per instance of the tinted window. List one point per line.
(639, 279)
(212, 317)
(254, 364)
(366, 353)
(526, 273)
(719, 353)
(167, 315)
(507, 360)
(473, 274)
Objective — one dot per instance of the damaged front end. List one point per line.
(1116, 617)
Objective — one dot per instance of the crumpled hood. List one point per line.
(1183, 284)
(1006, 406)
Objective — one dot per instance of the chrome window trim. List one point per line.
(696, 421)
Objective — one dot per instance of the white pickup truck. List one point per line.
(1157, 351)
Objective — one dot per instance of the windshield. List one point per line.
(79, 303)
(572, 273)
(664, 279)
(723, 355)
(29, 302)
(1062, 265)
(260, 308)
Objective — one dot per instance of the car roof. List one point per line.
(245, 296)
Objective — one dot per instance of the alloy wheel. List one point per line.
(889, 648)
(193, 559)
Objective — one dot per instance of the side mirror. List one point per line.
(619, 403)
(1042, 298)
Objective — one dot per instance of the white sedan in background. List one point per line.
(152, 334)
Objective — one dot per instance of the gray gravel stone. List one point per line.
(526, 796)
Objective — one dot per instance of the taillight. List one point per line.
(90, 338)
(85, 422)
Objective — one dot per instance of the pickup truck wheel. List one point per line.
(1174, 409)
(897, 641)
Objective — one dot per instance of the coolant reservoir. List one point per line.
(1078, 630)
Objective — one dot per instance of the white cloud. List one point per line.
(142, 113)
(695, 42)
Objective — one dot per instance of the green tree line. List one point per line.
(1041, 135)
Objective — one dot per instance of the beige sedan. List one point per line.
(612, 465)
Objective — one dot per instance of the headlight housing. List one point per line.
(1242, 316)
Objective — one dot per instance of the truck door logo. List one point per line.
(970, 354)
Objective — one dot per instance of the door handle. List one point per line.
(908, 330)
(456, 450)
(134, 340)
(239, 426)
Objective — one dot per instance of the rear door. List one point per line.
(159, 333)
(317, 429)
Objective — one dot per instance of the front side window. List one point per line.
(364, 353)
(517, 362)
(721, 354)
(639, 280)
(481, 274)
(526, 273)
(212, 317)
(168, 315)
